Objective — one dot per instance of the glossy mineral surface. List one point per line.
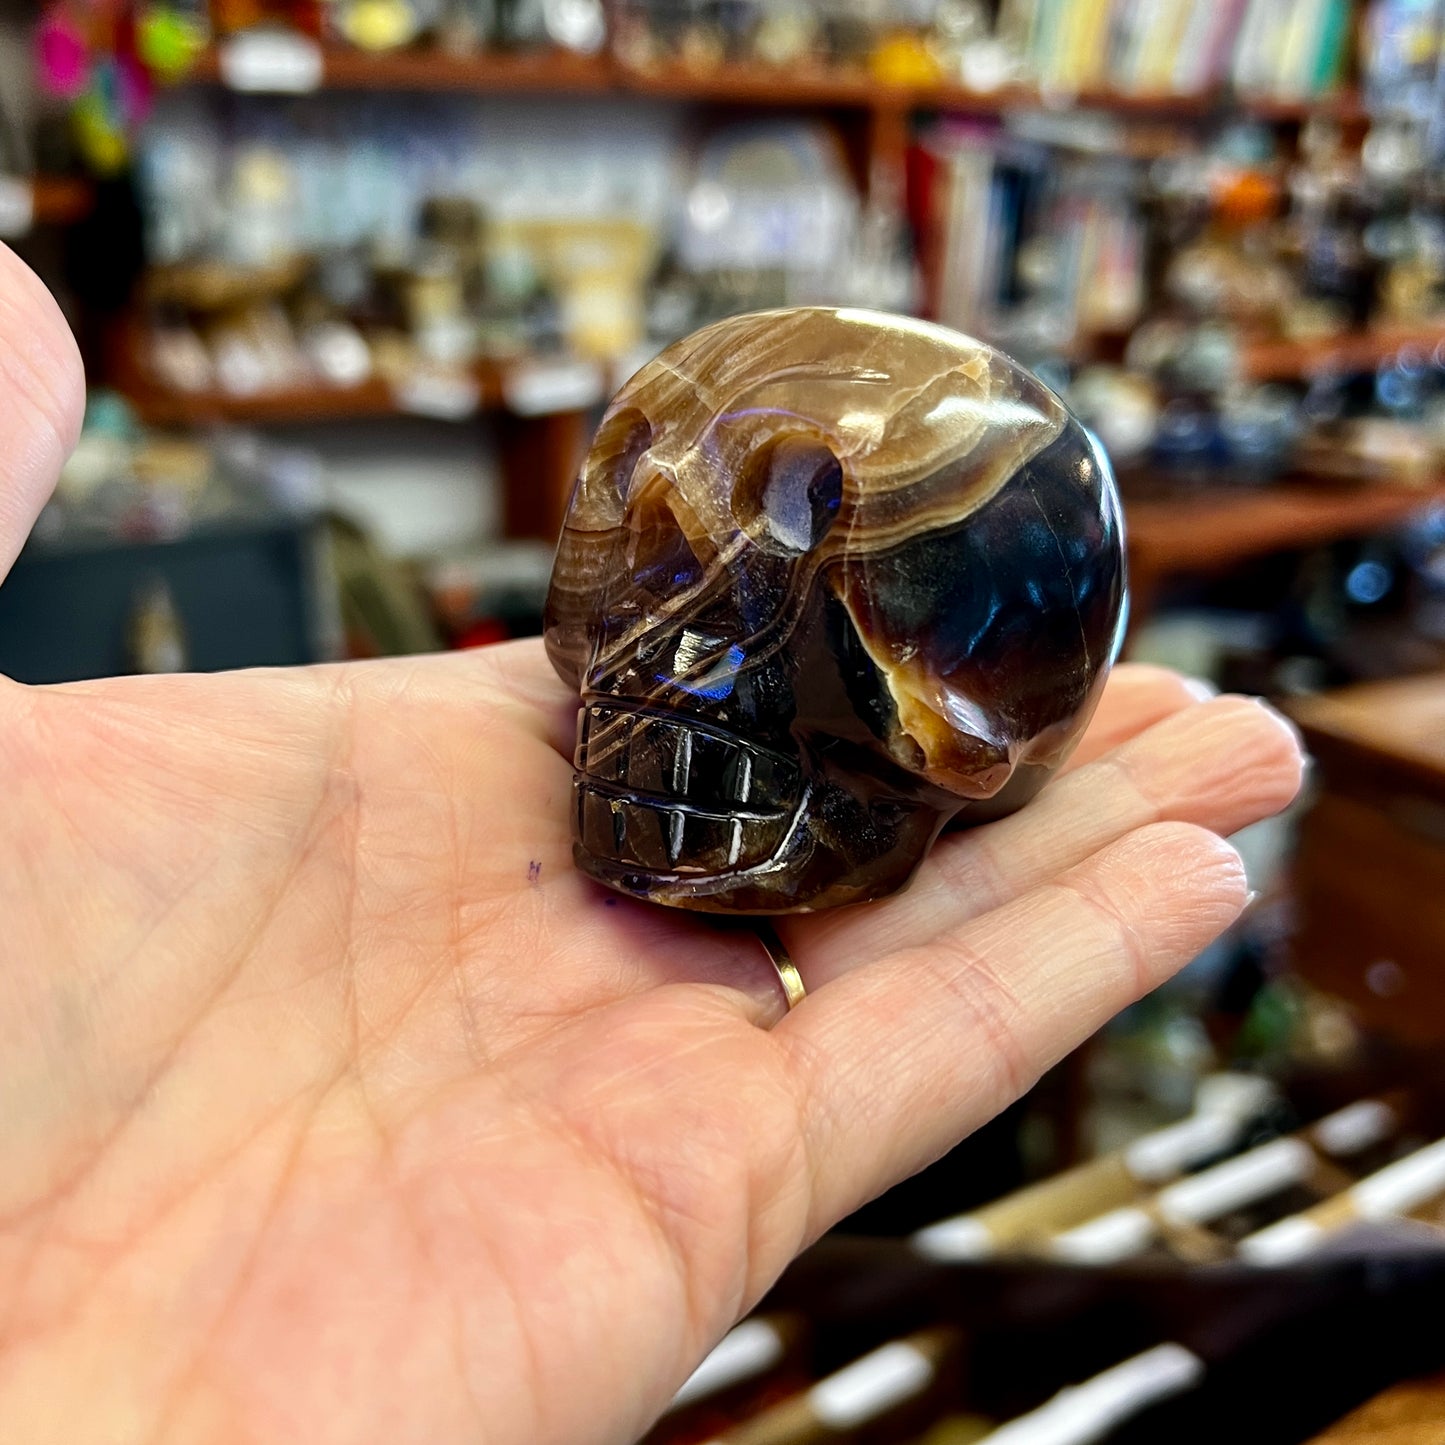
(829, 580)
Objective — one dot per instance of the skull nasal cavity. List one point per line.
(791, 494)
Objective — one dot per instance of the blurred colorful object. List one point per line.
(62, 53)
(168, 39)
(105, 57)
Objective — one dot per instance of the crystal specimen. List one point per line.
(829, 581)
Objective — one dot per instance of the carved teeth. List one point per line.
(681, 762)
(594, 823)
(737, 776)
(630, 833)
(713, 762)
(743, 787)
(644, 841)
(676, 758)
(647, 748)
(669, 795)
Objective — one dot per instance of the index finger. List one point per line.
(1136, 696)
(898, 1060)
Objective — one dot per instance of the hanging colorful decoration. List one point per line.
(105, 59)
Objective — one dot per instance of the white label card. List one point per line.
(17, 207)
(1086, 1413)
(1167, 1152)
(1111, 1237)
(1352, 1130)
(276, 62)
(1402, 1186)
(442, 395)
(865, 1389)
(751, 1348)
(540, 388)
(963, 1237)
(1237, 1182)
(1282, 1242)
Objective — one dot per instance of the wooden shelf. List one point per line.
(487, 72)
(737, 83)
(1346, 105)
(157, 406)
(1360, 351)
(1215, 530)
(1341, 105)
(1392, 730)
(535, 388)
(539, 450)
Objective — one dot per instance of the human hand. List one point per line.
(336, 1106)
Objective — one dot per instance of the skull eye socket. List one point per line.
(620, 443)
(791, 494)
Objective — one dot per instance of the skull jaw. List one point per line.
(648, 828)
(767, 891)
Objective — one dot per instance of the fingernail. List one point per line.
(1200, 688)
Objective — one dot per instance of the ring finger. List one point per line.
(1219, 765)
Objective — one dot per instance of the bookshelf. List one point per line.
(1167, 535)
(1358, 351)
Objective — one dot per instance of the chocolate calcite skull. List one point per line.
(829, 580)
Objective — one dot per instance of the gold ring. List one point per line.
(786, 969)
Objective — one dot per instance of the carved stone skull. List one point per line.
(829, 580)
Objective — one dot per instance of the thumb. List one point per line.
(42, 400)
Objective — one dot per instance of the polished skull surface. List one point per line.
(829, 580)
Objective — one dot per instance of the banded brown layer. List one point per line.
(665, 795)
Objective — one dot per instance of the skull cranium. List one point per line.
(829, 580)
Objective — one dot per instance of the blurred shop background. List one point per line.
(353, 280)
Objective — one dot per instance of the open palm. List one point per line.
(336, 1106)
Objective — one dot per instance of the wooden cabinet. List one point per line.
(1370, 876)
(1410, 1414)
